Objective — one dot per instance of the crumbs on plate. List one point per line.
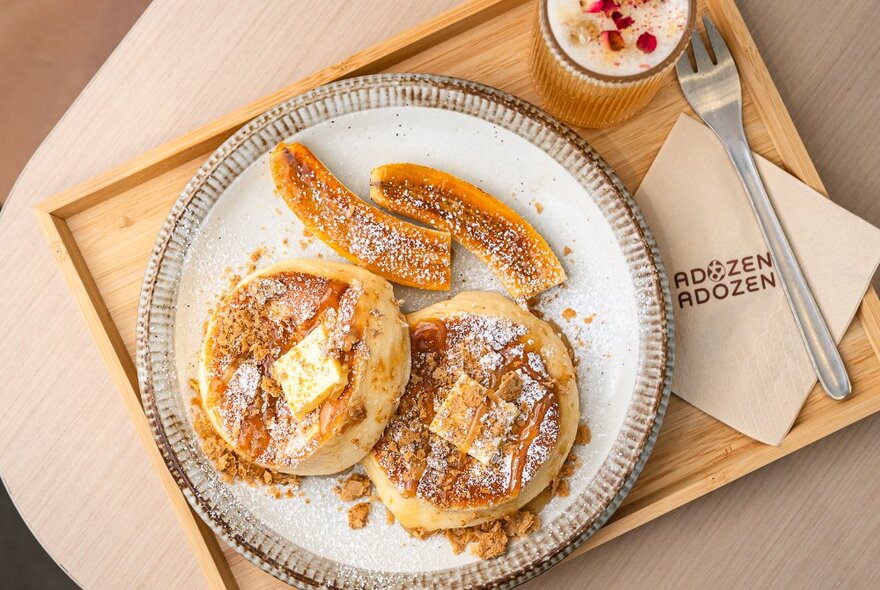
(358, 514)
(490, 539)
(357, 486)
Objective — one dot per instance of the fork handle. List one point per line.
(814, 331)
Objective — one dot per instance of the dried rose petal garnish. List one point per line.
(613, 40)
(592, 6)
(646, 42)
(620, 21)
(610, 7)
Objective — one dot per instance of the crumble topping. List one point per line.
(559, 486)
(357, 515)
(498, 355)
(253, 327)
(583, 435)
(490, 539)
(354, 488)
(232, 466)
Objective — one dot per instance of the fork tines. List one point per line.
(702, 58)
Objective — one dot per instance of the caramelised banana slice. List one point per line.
(510, 247)
(399, 251)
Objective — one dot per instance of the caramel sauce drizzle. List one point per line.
(253, 435)
(474, 424)
(329, 411)
(411, 484)
(329, 299)
(430, 336)
(528, 434)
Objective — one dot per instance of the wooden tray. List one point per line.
(102, 232)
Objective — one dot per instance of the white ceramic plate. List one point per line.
(511, 150)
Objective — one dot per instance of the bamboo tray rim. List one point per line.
(54, 213)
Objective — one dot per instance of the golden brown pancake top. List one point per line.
(255, 325)
(486, 348)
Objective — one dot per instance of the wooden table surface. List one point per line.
(74, 466)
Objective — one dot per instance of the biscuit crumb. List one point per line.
(519, 524)
(490, 539)
(566, 251)
(458, 539)
(230, 465)
(354, 488)
(255, 258)
(538, 207)
(489, 545)
(357, 515)
(569, 314)
(583, 435)
(420, 534)
(271, 387)
(559, 486)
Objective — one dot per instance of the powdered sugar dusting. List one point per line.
(381, 242)
(240, 393)
(418, 461)
(250, 215)
(252, 327)
(506, 242)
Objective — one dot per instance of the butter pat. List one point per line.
(495, 426)
(459, 412)
(474, 420)
(308, 375)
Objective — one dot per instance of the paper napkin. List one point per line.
(739, 356)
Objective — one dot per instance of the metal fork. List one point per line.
(714, 92)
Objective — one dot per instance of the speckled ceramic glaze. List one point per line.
(622, 334)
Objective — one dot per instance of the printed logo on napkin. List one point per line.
(717, 280)
(738, 353)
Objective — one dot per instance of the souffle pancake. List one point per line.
(303, 364)
(487, 420)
